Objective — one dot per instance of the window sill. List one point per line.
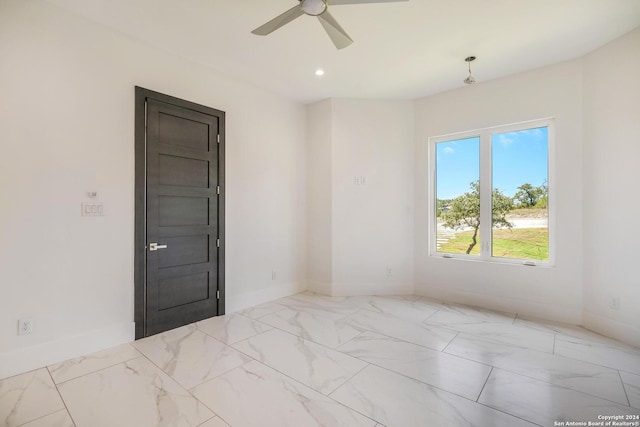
(502, 261)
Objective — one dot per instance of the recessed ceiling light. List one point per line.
(319, 72)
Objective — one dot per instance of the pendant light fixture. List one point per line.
(469, 80)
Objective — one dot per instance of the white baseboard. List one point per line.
(41, 355)
(34, 357)
(383, 288)
(563, 313)
(321, 288)
(240, 302)
(624, 332)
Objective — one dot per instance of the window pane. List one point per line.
(457, 196)
(520, 223)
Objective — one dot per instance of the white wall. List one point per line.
(372, 229)
(360, 234)
(319, 197)
(553, 293)
(66, 127)
(611, 177)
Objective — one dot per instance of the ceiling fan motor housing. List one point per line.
(313, 7)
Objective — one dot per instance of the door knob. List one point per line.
(155, 247)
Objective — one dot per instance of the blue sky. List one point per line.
(518, 157)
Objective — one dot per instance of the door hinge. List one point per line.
(218, 242)
(218, 294)
(218, 189)
(218, 138)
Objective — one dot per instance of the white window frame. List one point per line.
(486, 184)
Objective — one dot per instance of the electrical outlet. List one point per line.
(389, 272)
(25, 326)
(615, 303)
(273, 275)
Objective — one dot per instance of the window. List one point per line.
(491, 194)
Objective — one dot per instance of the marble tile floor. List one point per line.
(311, 360)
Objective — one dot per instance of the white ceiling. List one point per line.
(401, 50)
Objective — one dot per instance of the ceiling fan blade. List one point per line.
(336, 33)
(279, 21)
(338, 2)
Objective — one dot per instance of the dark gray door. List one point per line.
(184, 275)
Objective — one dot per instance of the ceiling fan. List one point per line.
(317, 8)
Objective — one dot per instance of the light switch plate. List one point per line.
(91, 209)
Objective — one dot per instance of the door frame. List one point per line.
(140, 224)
